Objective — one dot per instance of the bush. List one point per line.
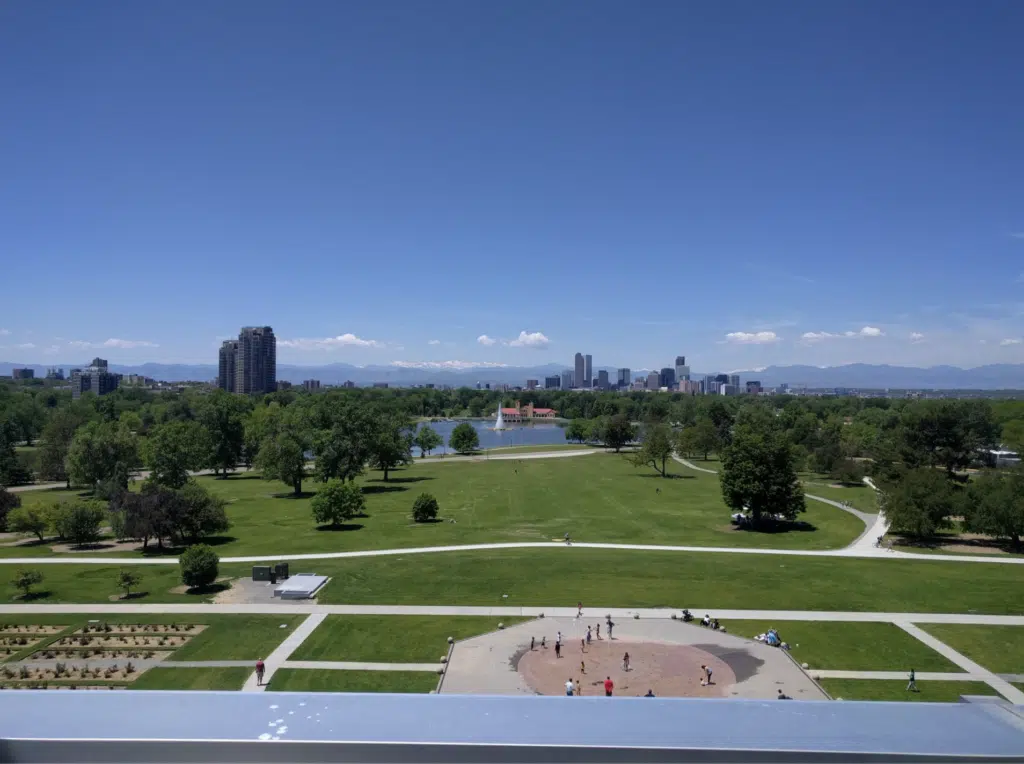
(425, 508)
(8, 502)
(464, 439)
(25, 580)
(336, 502)
(77, 522)
(199, 566)
(28, 520)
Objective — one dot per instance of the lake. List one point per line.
(537, 434)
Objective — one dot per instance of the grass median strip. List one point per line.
(311, 680)
(891, 689)
(850, 646)
(1000, 649)
(390, 639)
(213, 678)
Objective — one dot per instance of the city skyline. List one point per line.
(820, 207)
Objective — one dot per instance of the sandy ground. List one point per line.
(669, 670)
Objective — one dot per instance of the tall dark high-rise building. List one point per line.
(96, 378)
(256, 361)
(226, 366)
(682, 370)
(602, 380)
(668, 377)
(623, 378)
(577, 377)
(588, 371)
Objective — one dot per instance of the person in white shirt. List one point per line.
(568, 687)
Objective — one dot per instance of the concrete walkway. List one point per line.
(994, 681)
(434, 668)
(291, 643)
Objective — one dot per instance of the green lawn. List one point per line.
(997, 648)
(224, 678)
(850, 646)
(600, 497)
(615, 578)
(237, 637)
(97, 583)
(862, 497)
(390, 639)
(896, 689)
(310, 680)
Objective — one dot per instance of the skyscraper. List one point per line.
(682, 370)
(653, 380)
(567, 380)
(602, 380)
(226, 366)
(734, 380)
(668, 377)
(256, 361)
(623, 378)
(94, 379)
(578, 377)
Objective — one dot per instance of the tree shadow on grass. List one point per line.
(132, 596)
(154, 551)
(32, 596)
(239, 476)
(941, 541)
(216, 588)
(776, 526)
(400, 480)
(368, 489)
(669, 476)
(293, 495)
(340, 528)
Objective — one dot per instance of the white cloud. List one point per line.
(330, 343)
(4, 332)
(752, 338)
(916, 337)
(113, 342)
(1007, 342)
(530, 340)
(25, 346)
(447, 365)
(867, 331)
(817, 336)
(434, 342)
(1017, 235)
(483, 339)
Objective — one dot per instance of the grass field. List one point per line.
(850, 646)
(862, 497)
(896, 689)
(310, 680)
(612, 578)
(997, 648)
(600, 497)
(223, 678)
(390, 639)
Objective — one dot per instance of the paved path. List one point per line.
(312, 608)
(291, 643)
(434, 668)
(997, 683)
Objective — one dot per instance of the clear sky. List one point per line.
(744, 183)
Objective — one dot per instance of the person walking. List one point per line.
(533, 643)
(569, 687)
(579, 690)
(912, 684)
(583, 667)
(260, 670)
(611, 626)
(588, 635)
(579, 609)
(583, 645)
(558, 649)
(625, 662)
(558, 638)
(598, 628)
(609, 685)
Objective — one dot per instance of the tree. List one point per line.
(8, 503)
(336, 502)
(848, 471)
(223, 417)
(576, 431)
(425, 508)
(27, 416)
(427, 439)
(25, 580)
(995, 505)
(945, 433)
(96, 451)
(283, 458)
(618, 432)
(686, 441)
(175, 449)
(705, 437)
(391, 443)
(194, 513)
(199, 566)
(920, 503)
(77, 522)
(12, 471)
(343, 447)
(30, 519)
(127, 579)
(655, 448)
(757, 475)
(1013, 435)
(56, 442)
(464, 439)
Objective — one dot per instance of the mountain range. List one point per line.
(858, 375)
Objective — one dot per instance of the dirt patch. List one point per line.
(6, 630)
(100, 546)
(61, 673)
(123, 641)
(142, 628)
(669, 670)
(185, 589)
(46, 686)
(18, 643)
(53, 654)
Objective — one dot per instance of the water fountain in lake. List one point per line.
(499, 423)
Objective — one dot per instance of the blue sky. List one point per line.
(745, 183)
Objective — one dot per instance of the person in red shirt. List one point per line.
(609, 685)
(260, 668)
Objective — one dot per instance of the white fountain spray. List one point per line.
(499, 423)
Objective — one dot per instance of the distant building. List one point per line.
(578, 370)
(348, 383)
(690, 387)
(256, 361)
(567, 380)
(383, 385)
(682, 370)
(602, 380)
(23, 374)
(552, 383)
(520, 413)
(95, 378)
(722, 379)
(283, 385)
(531, 384)
(226, 363)
(729, 389)
(711, 384)
(668, 377)
(138, 380)
(588, 371)
(311, 384)
(623, 378)
(753, 386)
(54, 373)
(653, 381)
(734, 380)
